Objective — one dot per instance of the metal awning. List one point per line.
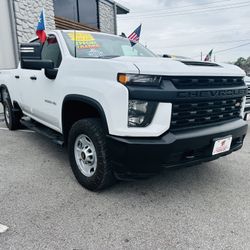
(121, 10)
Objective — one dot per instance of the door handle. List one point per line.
(17, 77)
(33, 78)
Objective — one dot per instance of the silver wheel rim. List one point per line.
(7, 114)
(85, 155)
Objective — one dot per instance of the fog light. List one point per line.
(140, 113)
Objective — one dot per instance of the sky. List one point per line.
(189, 27)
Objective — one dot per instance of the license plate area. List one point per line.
(222, 145)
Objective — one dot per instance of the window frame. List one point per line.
(77, 16)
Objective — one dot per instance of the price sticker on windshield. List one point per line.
(83, 40)
(80, 37)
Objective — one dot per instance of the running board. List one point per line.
(54, 136)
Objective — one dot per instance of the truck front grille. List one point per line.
(202, 113)
(201, 82)
(248, 96)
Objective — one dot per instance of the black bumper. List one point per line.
(136, 156)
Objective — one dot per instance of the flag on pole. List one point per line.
(135, 36)
(209, 56)
(40, 30)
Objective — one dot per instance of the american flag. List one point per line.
(209, 56)
(135, 36)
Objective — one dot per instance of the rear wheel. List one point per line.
(12, 119)
(88, 155)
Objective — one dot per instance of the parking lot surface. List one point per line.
(43, 206)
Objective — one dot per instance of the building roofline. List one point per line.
(121, 10)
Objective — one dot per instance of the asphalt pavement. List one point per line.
(43, 206)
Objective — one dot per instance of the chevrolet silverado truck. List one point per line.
(122, 111)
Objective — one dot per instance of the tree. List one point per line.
(244, 64)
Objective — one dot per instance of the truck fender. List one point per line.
(86, 101)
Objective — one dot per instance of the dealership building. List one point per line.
(92, 15)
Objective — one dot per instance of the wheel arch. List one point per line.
(93, 109)
(14, 103)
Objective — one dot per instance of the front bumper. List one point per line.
(136, 156)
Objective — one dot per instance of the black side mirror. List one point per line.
(30, 52)
(51, 73)
(37, 64)
(31, 57)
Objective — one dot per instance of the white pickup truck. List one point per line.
(122, 111)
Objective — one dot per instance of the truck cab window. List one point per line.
(51, 51)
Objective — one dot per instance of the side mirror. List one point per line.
(30, 52)
(31, 57)
(51, 73)
(37, 64)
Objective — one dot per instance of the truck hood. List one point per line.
(168, 66)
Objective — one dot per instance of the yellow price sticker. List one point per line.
(81, 37)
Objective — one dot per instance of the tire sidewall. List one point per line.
(95, 182)
(7, 106)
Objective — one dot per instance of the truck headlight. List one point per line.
(140, 113)
(140, 80)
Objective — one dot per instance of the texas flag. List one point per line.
(40, 31)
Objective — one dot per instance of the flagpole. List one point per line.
(44, 17)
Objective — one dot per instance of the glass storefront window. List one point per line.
(66, 9)
(88, 12)
(82, 11)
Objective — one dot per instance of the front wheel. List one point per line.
(88, 155)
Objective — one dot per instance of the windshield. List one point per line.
(91, 45)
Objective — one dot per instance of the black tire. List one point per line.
(103, 176)
(12, 119)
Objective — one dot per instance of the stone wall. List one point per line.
(28, 11)
(107, 17)
(27, 14)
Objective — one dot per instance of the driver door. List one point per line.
(43, 94)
